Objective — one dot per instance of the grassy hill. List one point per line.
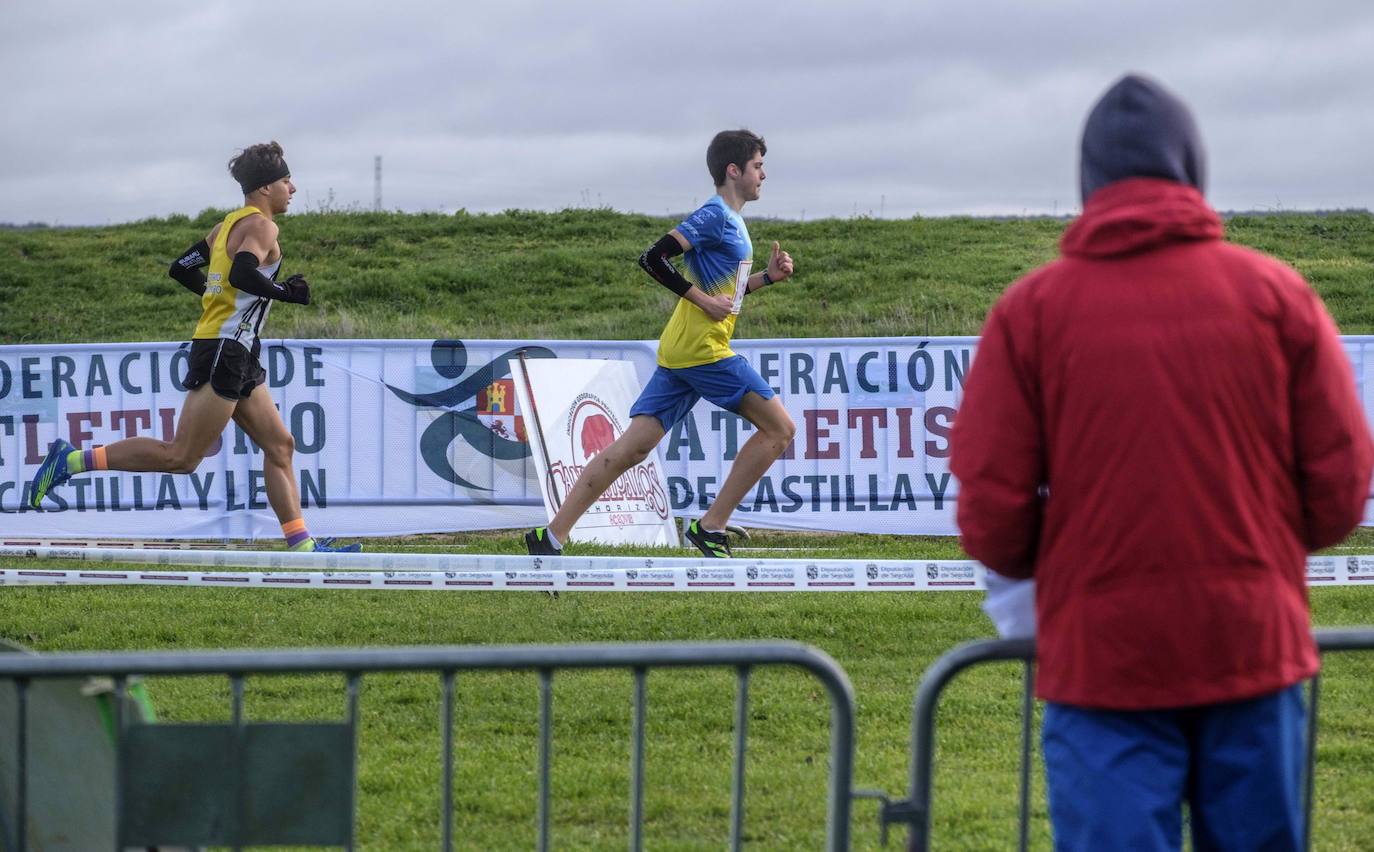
(573, 274)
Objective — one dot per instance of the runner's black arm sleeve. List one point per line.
(186, 269)
(655, 262)
(244, 275)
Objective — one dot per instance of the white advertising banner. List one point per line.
(578, 408)
(408, 436)
(871, 452)
(391, 437)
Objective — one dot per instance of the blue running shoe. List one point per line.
(51, 473)
(326, 545)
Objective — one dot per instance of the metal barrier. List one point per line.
(915, 811)
(241, 815)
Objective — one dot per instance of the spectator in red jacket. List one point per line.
(1158, 427)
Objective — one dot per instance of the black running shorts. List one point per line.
(231, 369)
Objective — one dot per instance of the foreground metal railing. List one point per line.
(321, 812)
(915, 811)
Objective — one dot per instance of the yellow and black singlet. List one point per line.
(227, 312)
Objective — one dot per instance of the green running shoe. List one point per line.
(714, 544)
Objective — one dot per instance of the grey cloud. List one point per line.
(931, 108)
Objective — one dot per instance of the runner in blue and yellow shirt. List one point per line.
(694, 357)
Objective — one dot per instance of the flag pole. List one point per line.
(539, 433)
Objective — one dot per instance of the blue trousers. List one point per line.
(1118, 779)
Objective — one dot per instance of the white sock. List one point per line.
(553, 539)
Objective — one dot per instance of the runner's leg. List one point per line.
(258, 417)
(774, 430)
(628, 450)
(204, 415)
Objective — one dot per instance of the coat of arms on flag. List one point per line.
(496, 408)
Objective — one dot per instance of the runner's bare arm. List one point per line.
(254, 234)
(252, 242)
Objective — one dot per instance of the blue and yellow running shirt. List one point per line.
(719, 242)
(226, 311)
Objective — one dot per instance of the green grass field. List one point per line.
(690, 715)
(882, 640)
(572, 274)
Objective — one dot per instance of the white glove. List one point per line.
(1011, 606)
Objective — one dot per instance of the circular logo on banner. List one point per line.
(593, 428)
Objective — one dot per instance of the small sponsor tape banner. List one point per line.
(468, 571)
(442, 572)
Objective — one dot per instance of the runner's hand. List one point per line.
(716, 308)
(297, 289)
(780, 265)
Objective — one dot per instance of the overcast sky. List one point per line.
(115, 112)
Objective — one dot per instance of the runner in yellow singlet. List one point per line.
(225, 379)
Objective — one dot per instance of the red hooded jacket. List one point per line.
(1159, 427)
